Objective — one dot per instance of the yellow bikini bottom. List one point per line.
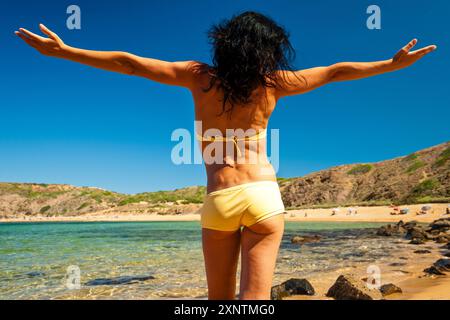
(242, 205)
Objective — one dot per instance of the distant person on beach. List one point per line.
(424, 210)
(335, 211)
(250, 72)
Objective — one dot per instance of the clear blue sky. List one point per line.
(66, 123)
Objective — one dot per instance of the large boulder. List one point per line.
(292, 287)
(348, 287)
(440, 267)
(443, 264)
(434, 271)
(387, 289)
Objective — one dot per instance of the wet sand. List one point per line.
(426, 288)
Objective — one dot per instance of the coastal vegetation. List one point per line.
(360, 169)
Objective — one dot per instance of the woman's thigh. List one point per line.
(221, 254)
(259, 249)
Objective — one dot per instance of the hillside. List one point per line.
(65, 200)
(421, 177)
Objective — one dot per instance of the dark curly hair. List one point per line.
(247, 50)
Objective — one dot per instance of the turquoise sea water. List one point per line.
(34, 257)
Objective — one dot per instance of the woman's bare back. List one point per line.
(252, 117)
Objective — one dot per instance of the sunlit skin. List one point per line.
(259, 243)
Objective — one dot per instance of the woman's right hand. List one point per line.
(51, 46)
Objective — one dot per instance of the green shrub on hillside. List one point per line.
(194, 199)
(360, 169)
(84, 205)
(429, 199)
(425, 186)
(411, 157)
(44, 209)
(443, 157)
(416, 165)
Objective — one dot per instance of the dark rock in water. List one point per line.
(422, 251)
(385, 231)
(447, 246)
(443, 264)
(296, 239)
(417, 241)
(410, 225)
(447, 254)
(347, 287)
(441, 224)
(442, 239)
(434, 270)
(434, 232)
(440, 267)
(118, 280)
(305, 239)
(33, 274)
(292, 287)
(397, 264)
(416, 232)
(389, 288)
(391, 230)
(431, 236)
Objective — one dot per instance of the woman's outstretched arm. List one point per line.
(172, 73)
(309, 79)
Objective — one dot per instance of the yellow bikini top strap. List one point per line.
(234, 139)
(260, 135)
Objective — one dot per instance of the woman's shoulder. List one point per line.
(202, 73)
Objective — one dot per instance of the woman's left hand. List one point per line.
(405, 57)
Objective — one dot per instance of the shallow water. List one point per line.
(34, 257)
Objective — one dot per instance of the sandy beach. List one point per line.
(359, 214)
(370, 214)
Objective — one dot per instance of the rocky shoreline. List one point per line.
(349, 286)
